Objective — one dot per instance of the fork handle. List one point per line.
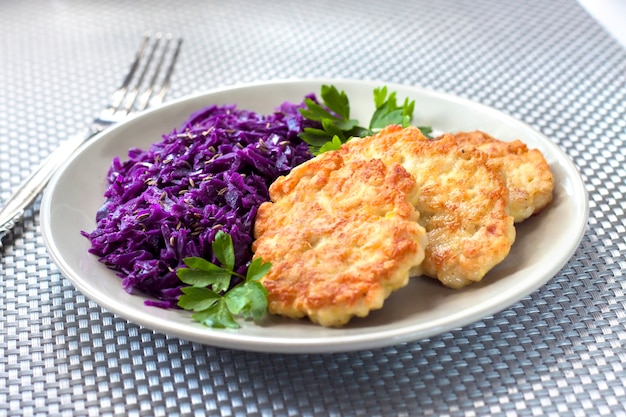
(24, 195)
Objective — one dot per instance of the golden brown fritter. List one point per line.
(528, 175)
(341, 236)
(462, 200)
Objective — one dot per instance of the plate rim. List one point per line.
(382, 338)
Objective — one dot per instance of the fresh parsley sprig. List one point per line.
(334, 117)
(336, 125)
(388, 112)
(209, 294)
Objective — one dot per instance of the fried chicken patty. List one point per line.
(341, 236)
(528, 176)
(462, 201)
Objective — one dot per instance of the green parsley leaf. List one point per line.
(388, 112)
(331, 145)
(210, 294)
(336, 125)
(201, 264)
(315, 137)
(218, 280)
(314, 111)
(257, 269)
(426, 131)
(249, 300)
(336, 101)
(334, 117)
(197, 299)
(223, 250)
(217, 316)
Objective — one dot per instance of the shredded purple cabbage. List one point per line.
(167, 203)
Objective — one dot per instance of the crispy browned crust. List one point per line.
(341, 236)
(462, 201)
(528, 176)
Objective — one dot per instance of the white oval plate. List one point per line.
(424, 308)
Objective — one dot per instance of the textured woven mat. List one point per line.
(557, 352)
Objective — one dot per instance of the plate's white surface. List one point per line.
(544, 243)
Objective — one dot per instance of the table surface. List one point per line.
(556, 352)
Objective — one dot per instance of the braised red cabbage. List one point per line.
(168, 202)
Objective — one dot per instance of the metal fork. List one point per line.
(155, 59)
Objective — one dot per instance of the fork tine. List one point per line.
(131, 96)
(165, 85)
(118, 95)
(143, 101)
(128, 99)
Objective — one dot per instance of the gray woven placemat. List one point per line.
(557, 352)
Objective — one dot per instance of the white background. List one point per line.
(611, 14)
